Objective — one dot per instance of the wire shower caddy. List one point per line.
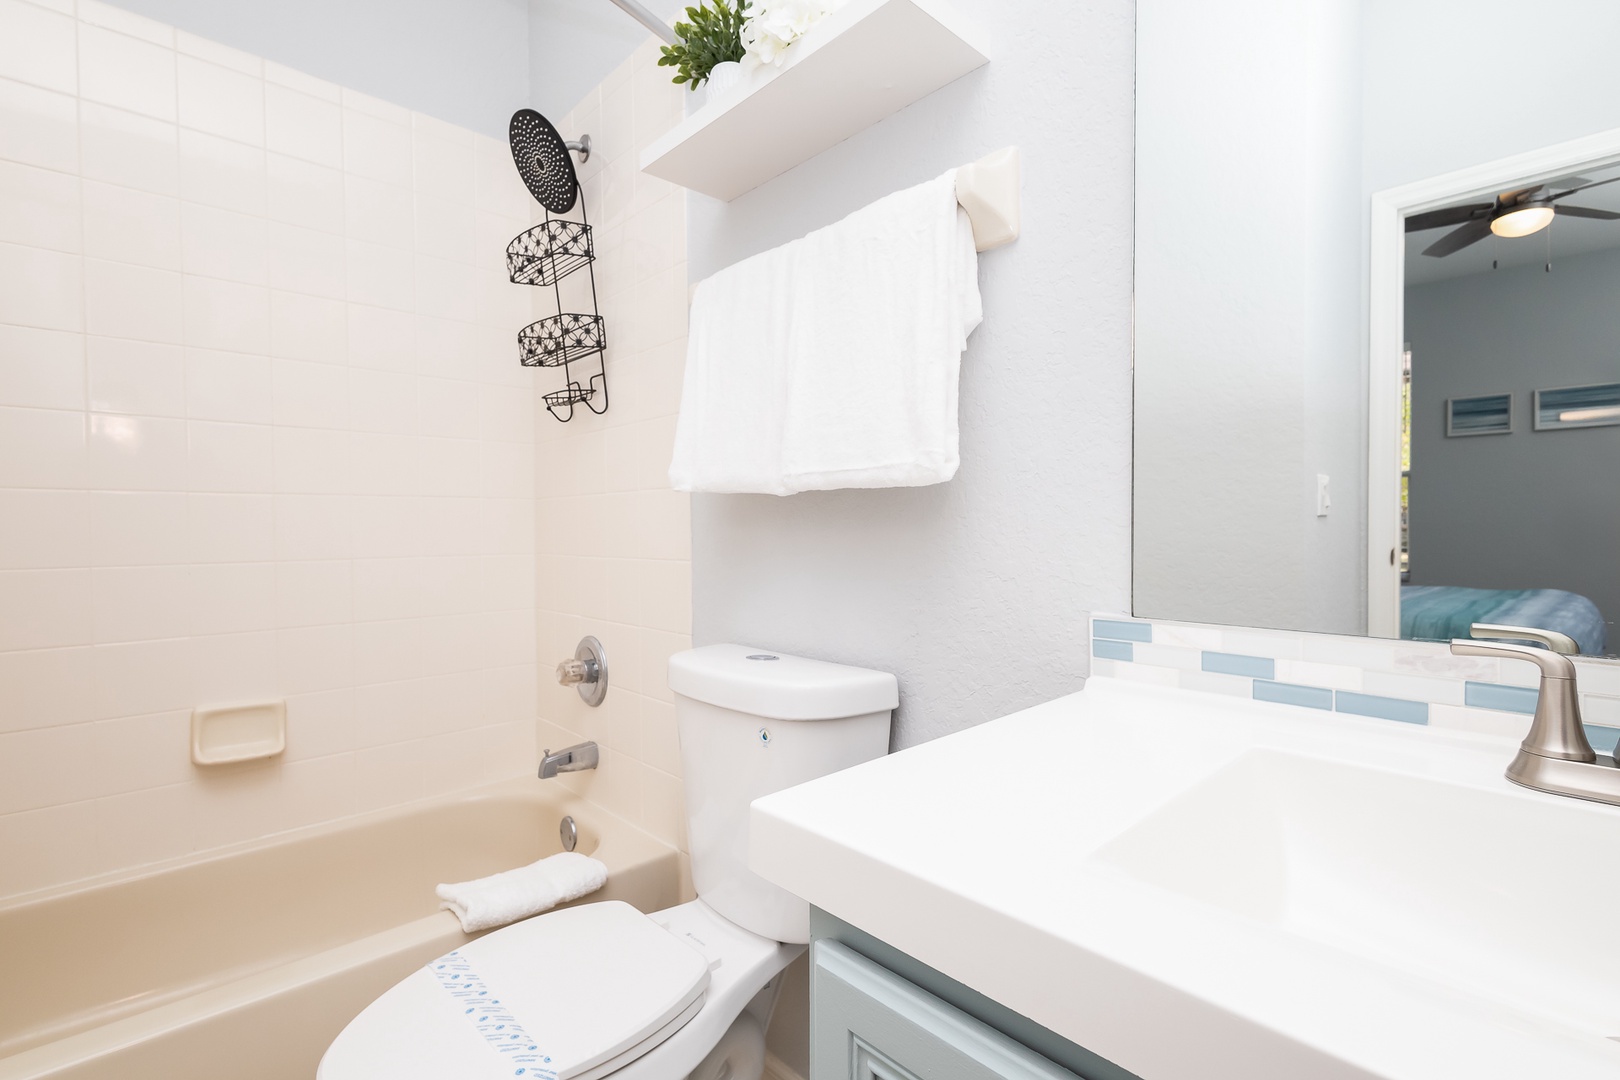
(551, 251)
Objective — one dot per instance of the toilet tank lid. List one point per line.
(778, 686)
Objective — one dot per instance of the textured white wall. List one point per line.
(974, 592)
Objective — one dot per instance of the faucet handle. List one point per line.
(1558, 643)
(1553, 665)
(1555, 731)
(573, 671)
(587, 670)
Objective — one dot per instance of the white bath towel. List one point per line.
(832, 361)
(528, 890)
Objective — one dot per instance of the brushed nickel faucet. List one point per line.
(1555, 756)
(1558, 643)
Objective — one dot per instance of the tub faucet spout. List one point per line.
(573, 759)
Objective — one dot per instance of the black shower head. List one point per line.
(541, 157)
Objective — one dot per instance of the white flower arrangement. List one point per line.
(773, 25)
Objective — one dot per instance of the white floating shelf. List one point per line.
(865, 61)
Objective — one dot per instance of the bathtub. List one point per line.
(245, 964)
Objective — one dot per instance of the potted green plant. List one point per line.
(710, 46)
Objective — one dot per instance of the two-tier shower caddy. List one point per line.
(551, 251)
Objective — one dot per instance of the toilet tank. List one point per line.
(753, 722)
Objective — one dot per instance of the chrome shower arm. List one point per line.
(646, 18)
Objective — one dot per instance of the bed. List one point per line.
(1443, 612)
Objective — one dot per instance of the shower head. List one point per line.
(542, 160)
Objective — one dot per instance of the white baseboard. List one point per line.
(777, 1069)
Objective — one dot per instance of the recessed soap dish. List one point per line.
(225, 734)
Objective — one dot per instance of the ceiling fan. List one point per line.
(1513, 213)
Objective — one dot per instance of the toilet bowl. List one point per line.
(603, 990)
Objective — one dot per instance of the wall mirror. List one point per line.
(1378, 318)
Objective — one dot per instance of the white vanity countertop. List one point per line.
(986, 855)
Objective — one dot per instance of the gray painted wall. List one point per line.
(1534, 509)
(975, 592)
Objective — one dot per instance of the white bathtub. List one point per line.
(245, 964)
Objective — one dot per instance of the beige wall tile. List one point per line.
(612, 542)
(40, 848)
(260, 416)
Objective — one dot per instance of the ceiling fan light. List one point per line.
(1522, 221)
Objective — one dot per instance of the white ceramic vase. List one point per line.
(724, 77)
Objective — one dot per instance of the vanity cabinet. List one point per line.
(869, 1022)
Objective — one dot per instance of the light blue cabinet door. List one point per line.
(867, 1023)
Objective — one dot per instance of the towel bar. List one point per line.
(988, 191)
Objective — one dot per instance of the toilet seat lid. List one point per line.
(569, 995)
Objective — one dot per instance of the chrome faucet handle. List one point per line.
(1555, 731)
(587, 669)
(573, 671)
(1558, 643)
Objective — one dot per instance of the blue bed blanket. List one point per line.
(1443, 612)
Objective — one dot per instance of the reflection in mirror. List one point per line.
(1509, 505)
(1377, 338)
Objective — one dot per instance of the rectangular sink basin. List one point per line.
(1512, 897)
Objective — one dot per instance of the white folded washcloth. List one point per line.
(832, 361)
(516, 894)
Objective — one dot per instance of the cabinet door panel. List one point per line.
(867, 1023)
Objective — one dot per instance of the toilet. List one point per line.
(602, 989)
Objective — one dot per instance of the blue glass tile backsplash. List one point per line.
(1519, 699)
(1111, 650)
(1603, 739)
(1412, 682)
(1385, 708)
(1311, 697)
(1255, 667)
(1119, 630)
